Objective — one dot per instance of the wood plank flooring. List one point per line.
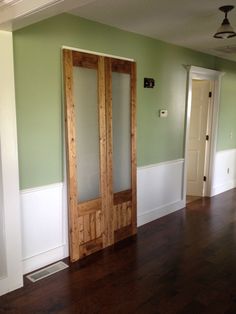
(182, 263)
(190, 198)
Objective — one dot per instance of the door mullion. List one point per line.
(133, 147)
(103, 145)
(108, 92)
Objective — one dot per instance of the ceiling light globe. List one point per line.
(225, 30)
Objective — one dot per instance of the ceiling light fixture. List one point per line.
(225, 30)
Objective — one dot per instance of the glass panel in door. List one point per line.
(121, 132)
(87, 133)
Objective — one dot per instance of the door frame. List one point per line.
(93, 52)
(9, 172)
(199, 73)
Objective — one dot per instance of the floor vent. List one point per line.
(47, 271)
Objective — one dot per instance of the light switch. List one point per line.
(163, 113)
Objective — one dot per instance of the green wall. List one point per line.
(38, 74)
(227, 115)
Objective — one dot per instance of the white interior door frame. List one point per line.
(11, 267)
(198, 73)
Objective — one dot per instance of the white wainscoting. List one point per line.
(159, 190)
(44, 226)
(222, 179)
(44, 211)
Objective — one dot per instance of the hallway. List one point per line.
(182, 263)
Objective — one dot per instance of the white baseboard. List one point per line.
(44, 226)
(159, 212)
(159, 193)
(159, 190)
(231, 184)
(224, 177)
(45, 258)
(44, 211)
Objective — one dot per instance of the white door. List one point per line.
(197, 137)
(10, 232)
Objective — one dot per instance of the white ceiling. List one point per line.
(188, 23)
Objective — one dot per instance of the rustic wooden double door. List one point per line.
(100, 98)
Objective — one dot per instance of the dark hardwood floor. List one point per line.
(182, 263)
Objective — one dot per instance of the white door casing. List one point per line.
(198, 73)
(10, 233)
(197, 137)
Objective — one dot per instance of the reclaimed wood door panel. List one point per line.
(86, 148)
(101, 212)
(122, 140)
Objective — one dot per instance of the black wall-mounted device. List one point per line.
(149, 82)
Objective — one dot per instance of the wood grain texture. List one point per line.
(85, 60)
(122, 215)
(103, 151)
(99, 223)
(84, 216)
(121, 66)
(182, 263)
(74, 232)
(91, 247)
(89, 206)
(81, 229)
(101, 217)
(133, 148)
(109, 156)
(122, 197)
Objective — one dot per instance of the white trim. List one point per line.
(42, 188)
(226, 151)
(163, 163)
(45, 231)
(43, 252)
(38, 9)
(214, 129)
(200, 73)
(9, 185)
(65, 207)
(159, 190)
(43, 258)
(65, 219)
(214, 76)
(224, 171)
(218, 189)
(97, 53)
(44, 209)
(160, 211)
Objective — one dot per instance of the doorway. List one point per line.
(199, 138)
(100, 99)
(203, 87)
